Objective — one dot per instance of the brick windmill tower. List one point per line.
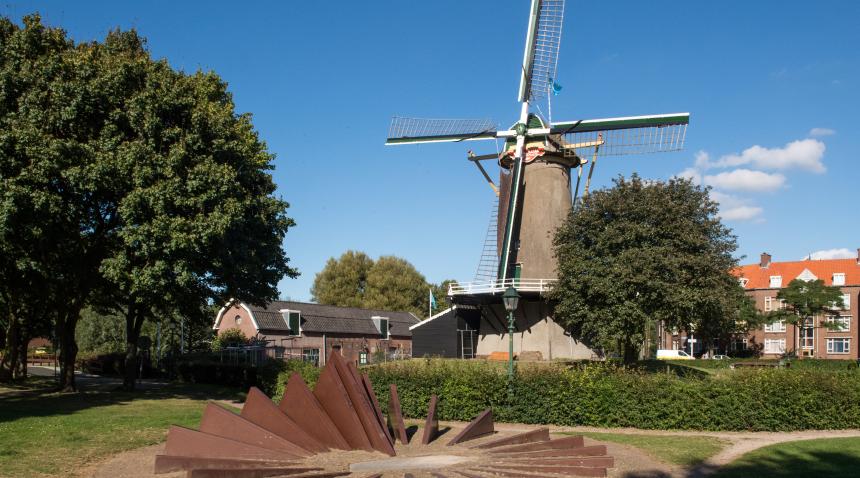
(534, 191)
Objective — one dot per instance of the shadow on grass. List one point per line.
(787, 464)
(37, 398)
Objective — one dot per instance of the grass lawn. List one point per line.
(674, 449)
(51, 434)
(829, 457)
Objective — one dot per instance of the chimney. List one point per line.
(765, 260)
(858, 256)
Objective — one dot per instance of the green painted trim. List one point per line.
(628, 123)
(449, 137)
(516, 181)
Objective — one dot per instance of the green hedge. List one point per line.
(611, 396)
(271, 377)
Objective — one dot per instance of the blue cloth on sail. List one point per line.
(556, 88)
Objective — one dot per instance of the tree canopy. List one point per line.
(643, 251)
(388, 283)
(128, 185)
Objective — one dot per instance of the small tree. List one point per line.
(343, 281)
(229, 337)
(805, 300)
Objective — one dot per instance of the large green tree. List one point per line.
(388, 283)
(640, 252)
(805, 300)
(343, 281)
(129, 185)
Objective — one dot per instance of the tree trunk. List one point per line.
(9, 364)
(133, 324)
(23, 343)
(66, 324)
(631, 353)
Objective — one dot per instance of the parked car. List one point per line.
(720, 357)
(673, 355)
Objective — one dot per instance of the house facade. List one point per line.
(763, 281)
(310, 332)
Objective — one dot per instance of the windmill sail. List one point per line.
(623, 136)
(542, 44)
(426, 130)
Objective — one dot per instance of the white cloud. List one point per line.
(733, 208)
(818, 132)
(800, 154)
(692, 174)
(745, 180)
(741, 213)
(841, 253)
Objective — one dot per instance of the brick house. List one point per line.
(763, 281)
(312, 331)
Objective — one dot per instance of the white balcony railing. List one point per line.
(499, 286)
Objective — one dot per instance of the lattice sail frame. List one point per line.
(621, 142)
(546, 45)
(414, 130)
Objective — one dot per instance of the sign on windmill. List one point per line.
(540, 154)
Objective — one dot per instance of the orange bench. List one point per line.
(499, 356)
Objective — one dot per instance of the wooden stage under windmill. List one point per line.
(535, 195)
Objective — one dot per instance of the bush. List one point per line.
(606, 395)
(270, 377)
(101, 363)
(229, 338)
(275, 374)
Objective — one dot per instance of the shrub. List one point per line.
(101, 363)
(270, 377)
(606, 395)
(229, 338)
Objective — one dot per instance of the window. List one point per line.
(238, 320)
(768, 303)
(311, 356)
(774, 346)
(807, 335)
(838, 346)
(781, 304)
(293, 319)
(362, 358)
(381, 324)
(838, 278)
(775, 281)
(843, 323)
(775, 327)
(846, 301)
(740, 344)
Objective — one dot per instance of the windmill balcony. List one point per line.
(497, 287)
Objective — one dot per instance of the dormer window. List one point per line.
(743, 281)
(293, 319)
(839, 278)
(381, 324)
(775, 281)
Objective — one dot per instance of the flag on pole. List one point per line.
(556, 88)
(432, 302)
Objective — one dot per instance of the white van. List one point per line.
(673, 355)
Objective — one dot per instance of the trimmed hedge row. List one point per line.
(611, 396)
(271, 377)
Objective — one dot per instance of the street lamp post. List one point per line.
(511, 299)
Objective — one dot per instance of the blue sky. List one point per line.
(773, 88)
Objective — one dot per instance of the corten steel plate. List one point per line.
(368, 388)
(482, 425)
(373, 429)
(192, 443)
(566, 442)
(332, 394)
(224, 423)
(541, 434)
(269, 441)
(302, 407)
(257, 474)
(395, 416)
(263, 412)
(431, 425)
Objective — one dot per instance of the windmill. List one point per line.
(535, 193)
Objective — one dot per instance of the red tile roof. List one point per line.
(759, 277)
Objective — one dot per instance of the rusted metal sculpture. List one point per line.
(482, 425)
(343, 413)
(395, 416)
(431, 425)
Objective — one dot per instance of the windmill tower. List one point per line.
(534, 191)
